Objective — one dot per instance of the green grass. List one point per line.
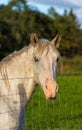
(64, 113)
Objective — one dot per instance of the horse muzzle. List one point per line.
(51, 88)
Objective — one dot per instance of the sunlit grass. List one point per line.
(64, 113)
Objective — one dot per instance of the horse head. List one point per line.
(45, 59)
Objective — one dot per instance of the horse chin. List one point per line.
(51, 98)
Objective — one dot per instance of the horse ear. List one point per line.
(33, 39)
(56, 41)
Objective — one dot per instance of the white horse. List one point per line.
(19, 74)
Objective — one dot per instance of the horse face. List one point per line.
(45, 59)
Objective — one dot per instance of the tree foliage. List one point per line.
(18, 21)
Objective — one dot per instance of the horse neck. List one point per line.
(20, 69)
(17, 86)
(27, 85)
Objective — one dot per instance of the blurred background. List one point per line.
(18, 19)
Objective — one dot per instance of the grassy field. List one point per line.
(64, 113)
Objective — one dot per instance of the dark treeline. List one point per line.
(18, 21)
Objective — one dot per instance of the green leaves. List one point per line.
(18, 21)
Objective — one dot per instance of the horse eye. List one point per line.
(36, 59)
(57, 59)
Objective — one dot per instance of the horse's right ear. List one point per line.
(33, 39)
(56, 41)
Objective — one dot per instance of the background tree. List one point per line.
(69, 29)
(18, 21)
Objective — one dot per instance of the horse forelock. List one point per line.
(44, 41)
(44, 45)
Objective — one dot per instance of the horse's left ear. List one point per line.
(33, 39)
(56, 41)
